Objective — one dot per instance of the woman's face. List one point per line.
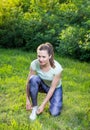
(43, 57)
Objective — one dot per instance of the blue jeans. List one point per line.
(36, 85)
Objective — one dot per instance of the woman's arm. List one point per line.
(28, 105)
(50, 93)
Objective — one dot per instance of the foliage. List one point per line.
(27, 23)
(75, 115)
(74, 44)
(74, 39)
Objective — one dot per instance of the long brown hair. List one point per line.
(49, 48)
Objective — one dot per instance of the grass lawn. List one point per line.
(14, 68)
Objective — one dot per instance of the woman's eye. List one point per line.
(38, 56)
(43, 56)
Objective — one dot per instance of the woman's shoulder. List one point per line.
(34, 64)
(34, 61)
(58, 66)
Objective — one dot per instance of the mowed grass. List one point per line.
(14, 69)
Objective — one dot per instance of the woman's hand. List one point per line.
(28, 106)
(40, 109)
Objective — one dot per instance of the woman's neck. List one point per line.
(46, 67)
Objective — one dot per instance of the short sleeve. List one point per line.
(58, 68)
(33, 65)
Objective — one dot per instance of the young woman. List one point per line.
(44, 76)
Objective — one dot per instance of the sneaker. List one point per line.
(33, 115)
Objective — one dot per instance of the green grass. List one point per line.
(14, 68)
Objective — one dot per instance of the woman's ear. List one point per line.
(50, 56)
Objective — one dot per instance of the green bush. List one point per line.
(74, 43)
(26, 24)
(11, 35)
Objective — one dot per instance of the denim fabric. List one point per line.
(37, 85)
(56, 102)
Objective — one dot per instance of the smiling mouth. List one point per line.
(41, 62)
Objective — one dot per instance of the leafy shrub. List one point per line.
(26, 24)
(73, 43)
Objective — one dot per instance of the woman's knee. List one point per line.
(34, 79)
(34, 83)
(55, 111)
(54, 114)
